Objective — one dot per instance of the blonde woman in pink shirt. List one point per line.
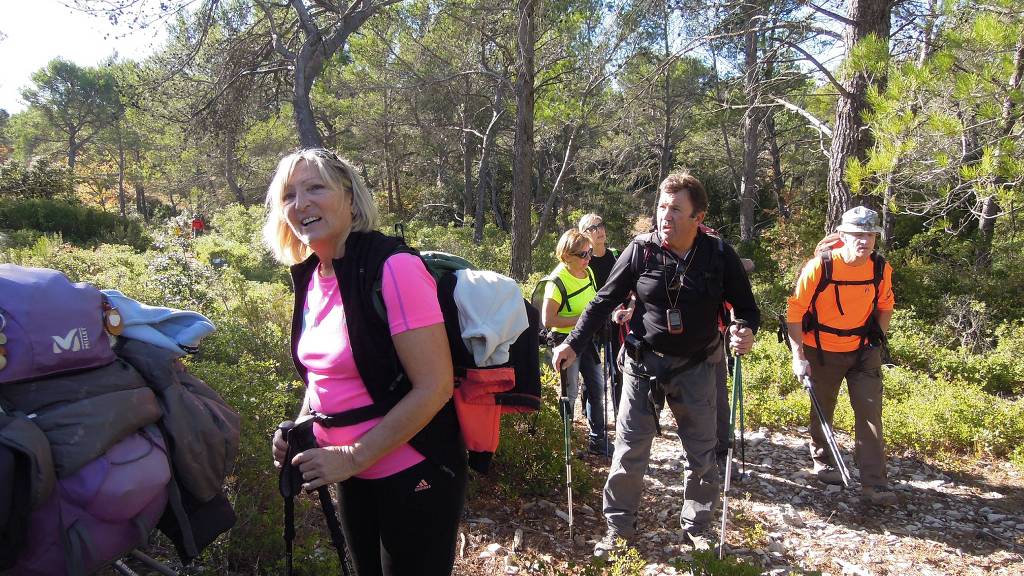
(379, 389)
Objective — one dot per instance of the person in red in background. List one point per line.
(198, 226)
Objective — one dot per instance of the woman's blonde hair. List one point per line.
(339, 175)
(572, 241)
(587, 221)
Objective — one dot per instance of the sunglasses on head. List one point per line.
(585, 254)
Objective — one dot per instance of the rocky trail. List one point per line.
(960, 517)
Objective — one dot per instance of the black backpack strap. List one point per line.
(563, 293)
(823, 282)
(879, 262)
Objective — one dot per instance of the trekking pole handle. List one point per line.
(742, 324)
(286, 427)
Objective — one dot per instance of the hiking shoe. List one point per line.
(610, 543)
(698, 538)
(878, 496)
(830, 475)
(599, 449)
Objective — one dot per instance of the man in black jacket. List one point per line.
(680, 276)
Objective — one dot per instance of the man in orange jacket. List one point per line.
(837, 318)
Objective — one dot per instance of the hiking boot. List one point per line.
(698, 538)
(599, 449)
(878, 496)
(830, 475)
(611, 542)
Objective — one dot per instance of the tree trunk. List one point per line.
(850, 138)
(140, 189)
(751, 119)
(467, 175)
(522, 172)
(122, 197)
(72, 153)
(305, 123)
(778, 180)
(556, 188)
(229, 170)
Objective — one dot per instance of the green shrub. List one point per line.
(706, 563)
(926, 413)
(76, 223)
(42, 180)
(251, 316)
(235, 238)
(531, 456)
(108, 266)
(252, 386)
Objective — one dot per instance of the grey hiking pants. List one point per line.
(864, 380)
(691, 397)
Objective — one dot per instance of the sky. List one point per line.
(33, 33)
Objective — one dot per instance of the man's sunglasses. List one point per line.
(594, 227)
(585, 254)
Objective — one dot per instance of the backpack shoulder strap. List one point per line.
(561, 292)
(826, 275)
(643, 251)
(879, 272)
(376, 290)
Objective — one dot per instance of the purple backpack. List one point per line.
(102, 511)
(48, 325)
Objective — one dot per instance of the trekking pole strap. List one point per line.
(334, 526)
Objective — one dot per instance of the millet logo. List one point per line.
(76, 340)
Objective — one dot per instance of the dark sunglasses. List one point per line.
(594, 227)
(585, 254)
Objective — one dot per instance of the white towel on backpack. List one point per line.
(177, 330)
(492, 314)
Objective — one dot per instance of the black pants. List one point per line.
(404, 524)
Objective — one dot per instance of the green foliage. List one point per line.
(41, 180)
(626, 562)
(921, 412)
(76, 223)
(494, 253)
(238, 244)
(706, 563)
(252, 386)
(772, 395)
(531, 456)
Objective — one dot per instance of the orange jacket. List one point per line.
(856, 301)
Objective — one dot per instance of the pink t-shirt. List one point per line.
(409, 293)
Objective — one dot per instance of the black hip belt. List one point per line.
(350, 417)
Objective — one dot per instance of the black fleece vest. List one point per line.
(370, 338)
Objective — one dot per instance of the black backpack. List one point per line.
(870, 332)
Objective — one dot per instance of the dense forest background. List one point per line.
(488, 128)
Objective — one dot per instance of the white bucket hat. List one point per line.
(860, 219)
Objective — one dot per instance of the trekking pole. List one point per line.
(566, 407)
(737, 404)
(826, 428)
(288, 493)
(290, 484)
(609, 382)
